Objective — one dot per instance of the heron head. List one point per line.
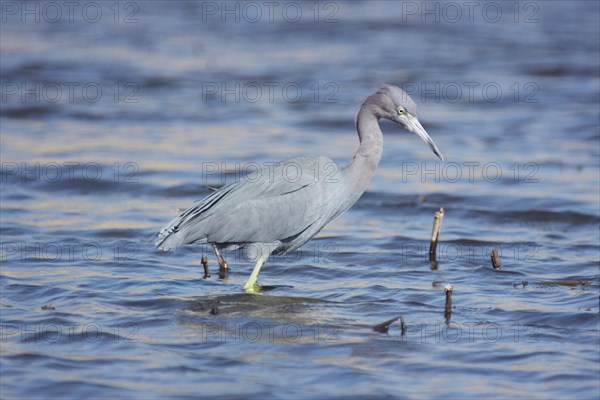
(396, 105)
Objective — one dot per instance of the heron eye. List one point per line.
(401, 110)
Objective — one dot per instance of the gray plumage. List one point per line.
(280, 207)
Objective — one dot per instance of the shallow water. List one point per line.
(122, 121)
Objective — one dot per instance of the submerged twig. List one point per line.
(448, 308)
(384, 327)
(495, 259)
(204, 262)
(563, 283)
(433, 261)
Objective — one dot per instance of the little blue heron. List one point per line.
(277, 210)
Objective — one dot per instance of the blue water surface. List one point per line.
(116, 114)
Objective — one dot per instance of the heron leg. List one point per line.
(223, 266)
(251, 286)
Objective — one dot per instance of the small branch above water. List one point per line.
(435, 234)
(495, 259)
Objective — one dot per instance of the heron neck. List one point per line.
(365, 161)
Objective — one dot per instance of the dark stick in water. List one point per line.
(563, 283)
(384, 327)
(435, 233)
(495, 259)
(448, 308)
(205, 265)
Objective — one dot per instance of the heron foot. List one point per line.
(254, 288)
(223, 266)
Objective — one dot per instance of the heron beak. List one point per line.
(413, 125)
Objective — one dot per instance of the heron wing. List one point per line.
(274, 204)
